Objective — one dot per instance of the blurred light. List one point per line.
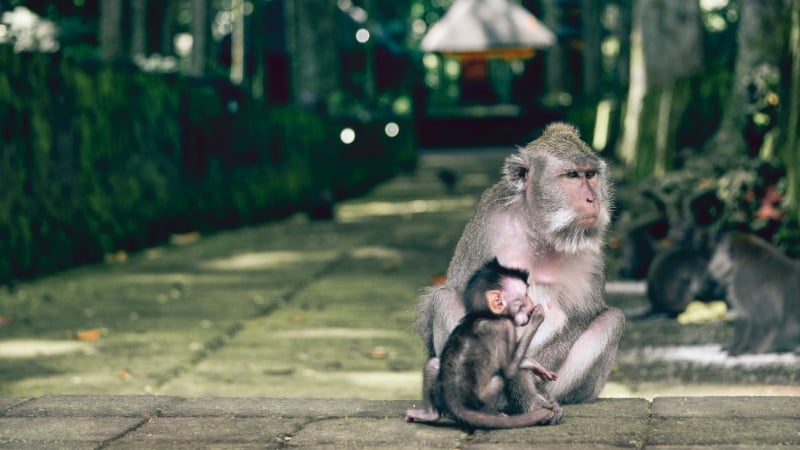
(711, 5)
(610, 47)
(359, 211)
(347, 136)
(183, 44)
(418, 26)
(20, 17)
(358, 14)
(761, 119)
(430, 61)
(28, 32)
(611, 17)
(401, 105)
(601, 125)
(362, 35)
(432, 80)
(517, 66)
(452, 68)
(391, 129)
(715, 22)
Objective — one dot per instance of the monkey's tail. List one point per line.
(477, 419)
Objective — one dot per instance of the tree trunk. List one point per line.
(200, 30)
(110, 30)
(554, 56)
(313, 38)
(761, 42)
(138, 28)
(790, 151)
(591, 55)
(237, 42)
(168, 27)
(665, 50)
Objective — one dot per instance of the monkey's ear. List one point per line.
(516, 172)
(495, 302)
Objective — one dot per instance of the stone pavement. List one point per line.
(128, 422)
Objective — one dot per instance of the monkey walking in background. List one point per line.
(547, 216)
(763, 286)
(482, 352)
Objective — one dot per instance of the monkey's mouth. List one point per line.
(587, 220)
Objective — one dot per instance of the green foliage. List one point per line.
(95, 160)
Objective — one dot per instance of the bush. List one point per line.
(95, 160)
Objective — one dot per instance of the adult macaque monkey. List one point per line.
(548, 216)
(763, 285)
(482, 353)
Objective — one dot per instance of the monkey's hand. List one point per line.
(538, 369)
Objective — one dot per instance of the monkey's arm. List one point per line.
(523, 343)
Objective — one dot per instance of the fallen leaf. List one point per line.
(378, 353)
(123, 374)
(88, 335)
(4, 320)
(700, 312)
(184, 238)
(116, 258)
(439, 279)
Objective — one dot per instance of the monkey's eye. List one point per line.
(590, 174)
(572, 174)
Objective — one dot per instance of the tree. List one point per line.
(761, 40)
(790, 151)
(111, 30)
(200, 34)
(138, 28)
(665, 50)
(313, 44)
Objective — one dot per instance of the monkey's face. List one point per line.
(575, 193)
(578, 185)
(565, 189)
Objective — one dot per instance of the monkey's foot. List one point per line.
(557, 414)
(422, 415)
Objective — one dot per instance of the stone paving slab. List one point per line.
(134, 422)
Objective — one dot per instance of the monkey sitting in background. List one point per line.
(482, 353)
(763, 286)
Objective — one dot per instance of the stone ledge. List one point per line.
(118, 422)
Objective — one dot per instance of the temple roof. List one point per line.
(480, 25)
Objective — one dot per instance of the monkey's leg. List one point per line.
(491, 394)
(523, 397)
(742, 337)
(429, 413)
(760, 337)
(585, 370)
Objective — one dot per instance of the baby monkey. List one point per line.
(482, 353)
